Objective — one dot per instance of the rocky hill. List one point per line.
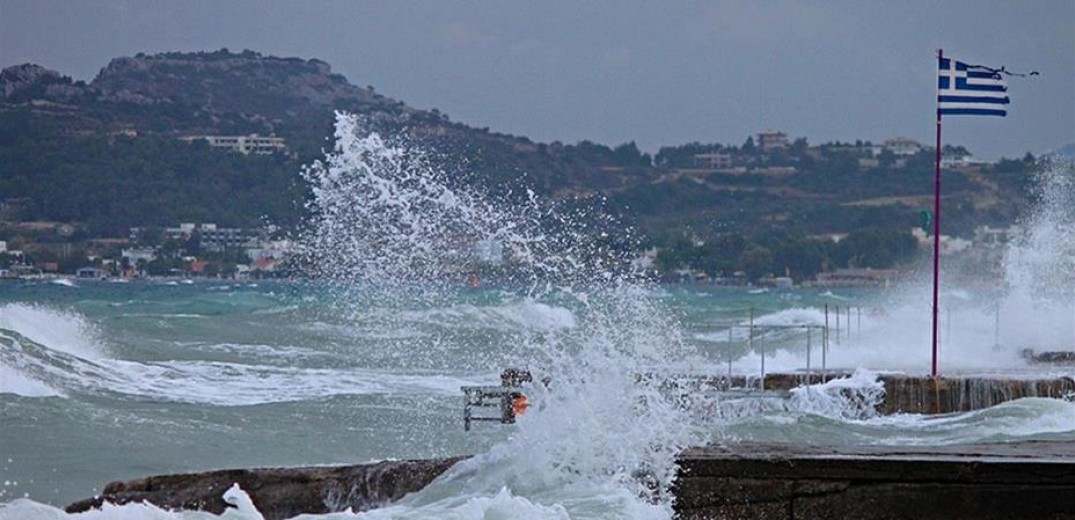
(174, 94)
(106, 153)
(195, 93)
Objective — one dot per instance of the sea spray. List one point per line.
(849, 398)
(1039, 266)
(389, 230)
(984, 325)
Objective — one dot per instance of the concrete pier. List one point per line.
(744, 481)
(1032, 480)
(906, 394)
(916, 394)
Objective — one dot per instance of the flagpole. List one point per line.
(936, 227)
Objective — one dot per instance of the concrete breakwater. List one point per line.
(914, 394)
(1031, 480)
(741, 481)
(1016, 480)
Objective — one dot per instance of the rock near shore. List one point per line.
(279, 493)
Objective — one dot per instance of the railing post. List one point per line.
(837, 323)
(848, 323)
(947, 323)
(809, 334)
(996, 324)
(730, 328)
(825, 346)
(750, 345)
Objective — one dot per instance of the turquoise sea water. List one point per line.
(110, 381)
(104, 381)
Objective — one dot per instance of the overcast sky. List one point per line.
(655, 72)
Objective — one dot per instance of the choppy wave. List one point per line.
(43, 373)
(13, 381)
(518, 315)
(62, 331)
(48, 353)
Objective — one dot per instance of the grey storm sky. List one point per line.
(655, 72)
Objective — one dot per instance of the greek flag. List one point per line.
(970, 90)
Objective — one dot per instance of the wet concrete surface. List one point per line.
(773, 481)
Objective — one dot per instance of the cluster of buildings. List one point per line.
(869, 155)
(252, 244)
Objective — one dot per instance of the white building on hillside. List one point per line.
(139, 254)
(244, 144)
(901, 146)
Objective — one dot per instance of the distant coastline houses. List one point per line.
(244, 144)
(210, 237)
(855, 277)
(713, 161)
(775, 154)
(772, 140)
(136, 255)
(900, 146)
(254, 244)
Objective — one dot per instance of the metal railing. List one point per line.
(837, 327)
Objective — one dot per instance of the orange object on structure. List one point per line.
(519, 404)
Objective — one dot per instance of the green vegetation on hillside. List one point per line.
(107, 156)
(109, 184)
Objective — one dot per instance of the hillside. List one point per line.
(106, 156)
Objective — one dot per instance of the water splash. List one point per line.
(1039, 267)
(392, 229)
(984, 325)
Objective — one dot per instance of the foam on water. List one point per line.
(525, 314)
(35, 370)
(13, 381)
(242, 509)
(63, 331)
(844, 410)
(854, 397)
(47, 353)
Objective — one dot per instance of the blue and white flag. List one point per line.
(970, 90)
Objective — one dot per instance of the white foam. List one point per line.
(502, 505)
(854, 397)
(242, 509)
(12, 381)
(62, 331)
(389, 224)
(235, 384)
(524, 314)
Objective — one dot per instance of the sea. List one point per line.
(363, 358)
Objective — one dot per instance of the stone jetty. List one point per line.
(1027, 480)
(742, 481)
(1010, 481)
(279, 493)
(914, 394)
